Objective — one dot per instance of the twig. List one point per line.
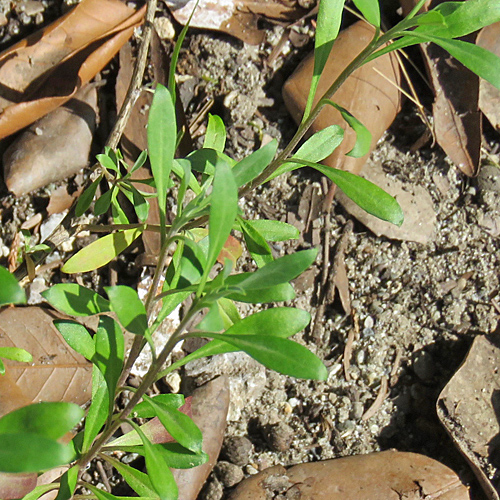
(382, 394)
(103, 475)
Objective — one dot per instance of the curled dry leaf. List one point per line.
(57, 373)
(371, 93)
(235, 17)
(457, 120)
(54, 147)
(489, 96)
(45, 70)
(388, 475)
(469, 409)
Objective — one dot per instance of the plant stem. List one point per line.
(304, 127)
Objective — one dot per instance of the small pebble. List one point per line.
(237, 450)
(279, 436)
(228, 474)
(213, 490)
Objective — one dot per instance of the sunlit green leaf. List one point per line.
(256, 244)
(370, 10)
(10, 291)
(215, 137)
(98, 411)
(107, 162)
(77, 337)
(145, 410)
(274, 230)
(162, 136)
(86, 197)
(102, 251)
(48, 420)
(129, 308)
(16, 354)
(68, 483)
(251, 166)
(75, 300)
(38, 491)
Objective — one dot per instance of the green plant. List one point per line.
(207, 185)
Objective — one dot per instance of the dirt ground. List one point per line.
(415, 308)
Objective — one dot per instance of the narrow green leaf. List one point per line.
(98, 411)
(215, 137)
(363, 135)
(278, 321)
(364, 193)
(327, 29)
(86, 198)
(160, 475)
(75, 300)
(162, 133)
(102, 251)
(318, 147)
(265, 295)
(212, 321)
(223, 210)
(141, 160)
(16, 354)
(117, 212)
(274, 230)
(100, 494)
(103, 203)
(279, 354)
(129, 308)
(179, 168)
(24, 452)
(107, 162)
(2, 368)
(251, 166)
(10, 291)
(77, 337)
(48, 420)
(38, 491)
(145, 410)
(280, 271)
(109, 353)
(256, 244)
(480, 61)
(68, 483)
(136, 479)
(370, 10)
(141, 205)
(178, 424)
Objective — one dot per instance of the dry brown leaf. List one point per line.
(387, 475)
(489, 96)
(54, 147)
(14, 486)
(457, 120)
(235, 17)
(45, 70)
(469, 409)
(57, 373)
(371, 93)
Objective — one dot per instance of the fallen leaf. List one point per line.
(54, 147)
(489, 96)
(61, 200)
(469, 407)
(415, 201)
(457, 119)
(16, 485)
(371, 93)
(236, 17)
(387, 475)
(46, 69)
(57, 373)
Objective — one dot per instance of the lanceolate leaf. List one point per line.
(275, 230)
(75, 300)
(128, 308)
(251, 166)
(282, 355)
(256, 244)
(101, 252)
(160, 475)
(322, 144)
(100, 494)
(10, 291)
(327, 29)
(24, 452)
(36, 493)
(364, 193)
(145, 410)
(16, 354)
(162, 137)
(77, 337)
(278, 321)
(48, 420)
(68, 483)
(215, 137)
(109, 352)
(370, 10)
(98, 411)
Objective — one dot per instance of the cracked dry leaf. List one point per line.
(46, 69)
(57, 373)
